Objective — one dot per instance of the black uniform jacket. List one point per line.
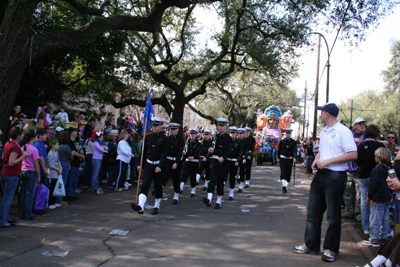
(156, 147)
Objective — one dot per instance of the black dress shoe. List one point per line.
(155, 211)
(246, 186)
(153, 193)
(175, 201)
(206, 201)
(192, 195)
(240, 190)
(238, 180)
(180, 192)
(137, 208)
(217, 206)
(205, 188)
(230, 198)
(284, 189)
(197, 183)
(12, 221)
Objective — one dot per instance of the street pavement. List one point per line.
(258, 228)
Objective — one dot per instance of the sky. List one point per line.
(353, 70)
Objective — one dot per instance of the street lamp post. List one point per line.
(328, 65)
(316, 87)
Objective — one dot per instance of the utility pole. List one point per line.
(305, 105)
(351, 112)
(314, 135)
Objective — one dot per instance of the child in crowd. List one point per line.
(54, 165)
(30, 177)
(62, 116)
(380, 195)
(18, 114)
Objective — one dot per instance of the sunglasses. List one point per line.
(390, 137)
(51, 128)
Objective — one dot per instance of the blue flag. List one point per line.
(148, 113)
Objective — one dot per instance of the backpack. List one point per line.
(112, 155)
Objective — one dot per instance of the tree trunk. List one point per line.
(14, 54)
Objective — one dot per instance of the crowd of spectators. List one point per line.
(83, 152)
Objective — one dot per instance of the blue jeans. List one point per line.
(379, 221)
(310, 160)
(365, 209)
(88, 170)
(66, 168)
(96, 163)
(326, 192)
(28, 190)
(111, 170)
(72, 183)
(10, 184)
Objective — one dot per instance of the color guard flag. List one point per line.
(148, 114)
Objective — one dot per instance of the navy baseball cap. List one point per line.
(331, 108)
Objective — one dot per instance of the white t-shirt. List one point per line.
(336, 141)
(63, 116)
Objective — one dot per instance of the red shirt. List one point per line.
(9, 147)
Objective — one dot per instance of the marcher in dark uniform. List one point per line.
(246, 152)
(287, 155)
(204, 164)
(218, 164)
(249, 159)
(191, 155)
(174, 162)
(155, 151)
(235, 157)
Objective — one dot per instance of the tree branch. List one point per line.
(88, 10)
(201, 114)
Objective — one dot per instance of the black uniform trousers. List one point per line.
(232, 173)
(175, 174)
(189, 169)
(242, 170)
(149, 175)
(218, 175)
(249, 162)
(204, 166)
(286, 168)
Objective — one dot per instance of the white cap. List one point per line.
(157, 120)
(233, 129)
(358, 120)
(222, 121)
(207, 131)
(194, 130)
(242, 130)
(289, 130)
(59, 129)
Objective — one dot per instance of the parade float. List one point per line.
(270, 126)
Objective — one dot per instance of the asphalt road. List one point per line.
(258, 228)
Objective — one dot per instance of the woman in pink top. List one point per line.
(30, 176)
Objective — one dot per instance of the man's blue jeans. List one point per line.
(365, 209)
(379, 221)
(72, 183)
(66, 168)
(10, 184)
(326, 192)
(96, 163)
(28, 190)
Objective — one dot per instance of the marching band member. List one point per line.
(155, 153)
(287, 155)
(204, 164)
(235, 156)
(218, 164)
(174, 162)
(191, 154)
(249, 159)
(246, 152)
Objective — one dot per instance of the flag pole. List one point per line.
(141, 154)
(141, 161)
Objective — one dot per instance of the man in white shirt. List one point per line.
(336, 148)
(62, 115)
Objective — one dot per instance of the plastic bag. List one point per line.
(55, 254)
(41, 197)
(119, 232)
(59, 190)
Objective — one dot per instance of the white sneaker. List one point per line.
(78, 191)
(127, 184)
(366, 232)
(57, 205)
(125, 188)
(103, 181)
(99, 191)
(52, 207)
